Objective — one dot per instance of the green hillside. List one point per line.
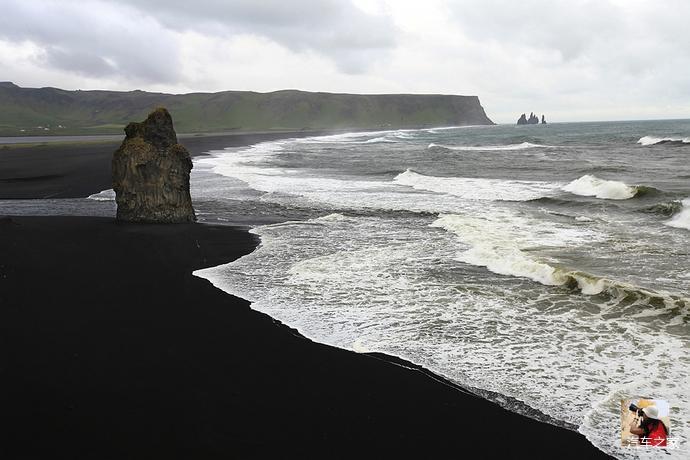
(52, 111)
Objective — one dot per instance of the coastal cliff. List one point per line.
(52, 111)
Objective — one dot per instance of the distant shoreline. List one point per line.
(18, 141)
(99, 138)
(76, 169)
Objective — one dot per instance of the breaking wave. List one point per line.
(665, 209)
(104, 195)
(682, 219)
(378, 140)
(589, 185)
(500, 253)
(477, 188)
(651, 140)
(487, 148)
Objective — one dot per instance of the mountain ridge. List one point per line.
(55, 111)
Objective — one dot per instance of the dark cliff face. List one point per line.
(151, 173)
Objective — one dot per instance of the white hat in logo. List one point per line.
(651, 412)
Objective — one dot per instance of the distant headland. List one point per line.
(53, 111)
(532, 120)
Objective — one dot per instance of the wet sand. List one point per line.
(80, 169)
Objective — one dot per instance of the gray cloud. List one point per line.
(93, 39)
(82, 62)
(569, 27)
(134, 39)
(584, 52)
(604, 33)
(333, 28)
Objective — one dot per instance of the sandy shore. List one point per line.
(75, 170)
(112, 349)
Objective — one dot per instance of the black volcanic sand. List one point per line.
(77, 170)
(110, 348)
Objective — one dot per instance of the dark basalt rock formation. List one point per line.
(532, 120)
(543, 120)
(151, 173)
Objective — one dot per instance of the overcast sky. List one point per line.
(571, 60)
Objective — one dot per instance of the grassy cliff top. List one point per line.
(53, 111)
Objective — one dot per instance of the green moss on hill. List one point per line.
(29, 111)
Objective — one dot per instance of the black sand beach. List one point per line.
(75, 170)
(112, 349)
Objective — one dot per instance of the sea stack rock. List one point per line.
(151, 173)
(543, 120)
(532, 120)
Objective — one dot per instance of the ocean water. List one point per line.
(546, 267)
(549, 264)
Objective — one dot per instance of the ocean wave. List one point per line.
(104, 195)
(378, 140)
(253, 167)
(562, 201)
(477, 188)
(500, 253)
(668, 209)
(589, 185)
(353, 137)
(496, 242)
(682, 219)
(652, 140)
(360, 137)
(487, 148)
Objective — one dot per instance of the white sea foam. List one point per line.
(251, 167)
(441, 129)
(682, 219)
(378, 140)
(487, 148)
(477, 188)
(254, 167)
(496, 241)
(589, 185)
(652, 140)
(104, 195)
(338, 138)
(367, 283)
(360, 137)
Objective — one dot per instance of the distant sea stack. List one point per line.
(532, 120)
(151, 173)
(51, 111)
